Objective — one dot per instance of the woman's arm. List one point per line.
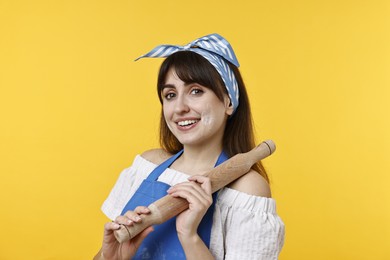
(195, 248)
(198, 194)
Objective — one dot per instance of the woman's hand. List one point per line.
(198, 194)
(111, 248)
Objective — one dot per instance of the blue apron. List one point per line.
(163, 242)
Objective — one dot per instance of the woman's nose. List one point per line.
(181, 105)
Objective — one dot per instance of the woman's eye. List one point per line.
(169, 96)
(196, 91)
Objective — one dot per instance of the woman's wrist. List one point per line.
(194, 247)
(189, 238)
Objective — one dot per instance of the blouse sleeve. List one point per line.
(128, 182)
(249, 226)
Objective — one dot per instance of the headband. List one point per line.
(216, 50)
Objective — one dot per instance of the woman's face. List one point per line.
(193, 113)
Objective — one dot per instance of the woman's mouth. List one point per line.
(187, 123)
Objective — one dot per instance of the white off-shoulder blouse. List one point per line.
(244, 226)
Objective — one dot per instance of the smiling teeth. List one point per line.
(187, 122)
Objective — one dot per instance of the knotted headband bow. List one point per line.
(216, 50)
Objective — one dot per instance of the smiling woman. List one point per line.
(205, 120)
(193, 113)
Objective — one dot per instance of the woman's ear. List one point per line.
(228, 106)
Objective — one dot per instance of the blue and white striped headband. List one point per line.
(216, 50)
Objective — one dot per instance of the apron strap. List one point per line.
(161, 168)
(222, 157)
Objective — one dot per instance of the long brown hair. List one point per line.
(191, 67)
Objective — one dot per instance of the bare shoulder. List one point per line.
(156, 156)
(252, 183)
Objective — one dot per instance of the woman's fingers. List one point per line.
(131, 217)
(200, 184)
(205, 182)
(142, 210)
(111, 226)
(197, 191)
(109, 229)
(127, 219)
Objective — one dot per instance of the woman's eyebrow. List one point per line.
(187, 84)
(167, 86)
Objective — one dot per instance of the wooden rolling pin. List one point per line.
(225, 173)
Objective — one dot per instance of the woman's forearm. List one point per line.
(195, 248)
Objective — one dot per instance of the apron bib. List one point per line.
(163, 242)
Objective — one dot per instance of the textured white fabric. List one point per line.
(244, 226)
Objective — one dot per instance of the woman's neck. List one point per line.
(197, 160)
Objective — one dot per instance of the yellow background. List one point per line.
(75, 109)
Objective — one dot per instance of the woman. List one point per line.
(205, 120)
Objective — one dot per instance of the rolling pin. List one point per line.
(225, 173)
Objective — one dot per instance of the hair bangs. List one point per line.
(191, 67)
